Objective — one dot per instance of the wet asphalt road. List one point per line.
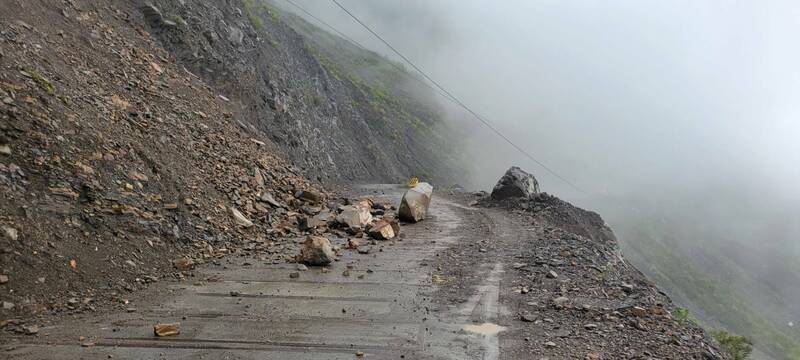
(382, 310)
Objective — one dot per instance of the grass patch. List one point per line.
(43, 83)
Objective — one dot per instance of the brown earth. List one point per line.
(119, 161)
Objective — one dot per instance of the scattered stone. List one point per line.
(7, 305)
(639, 311)
(162, 330)
(550, 344)
(3, 279)
(552, 274)
(415, 202)
(5, 150)
(590, 326)
(30, 329)
(359, 353)
(302, 267)
(560, 301)
(527, 318)
(309, 195)
(183, 263)
(317, 250)
(628, 288)
(346, 272)
(235, 294)
(294, 275)
(353, 243)
(364, 250)
(384, 229)
(515, 183)
(11, 233)
(267, 198)
(240, 219)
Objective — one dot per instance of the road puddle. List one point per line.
(486, 329)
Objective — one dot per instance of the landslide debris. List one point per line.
(119, 168)
(570, 291)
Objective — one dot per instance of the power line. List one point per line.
(454, 98)
(401, 69)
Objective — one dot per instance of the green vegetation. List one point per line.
(689, 281)
(253, 10)
(43, 83)
(738, 347)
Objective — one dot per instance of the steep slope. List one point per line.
(335, 123)
(115, 161)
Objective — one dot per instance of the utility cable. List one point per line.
(459, 102)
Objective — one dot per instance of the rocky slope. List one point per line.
(341, 113)
(116, 162)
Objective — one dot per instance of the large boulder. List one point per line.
(317, 250)
(415, 202)
(516, 183)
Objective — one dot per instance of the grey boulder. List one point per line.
(515, 183)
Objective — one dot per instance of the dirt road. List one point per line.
(467, 283)
(252, 310)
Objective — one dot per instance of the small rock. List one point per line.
(3, 279)
(183, 263)
(267, 198)
(30, 329)
(5, 150)
(309, 195)
(235, 294)
(167, 329)
(364, 250)
(550, 344)
(384, 229)
(560, 301)
(240, 219)
(639, 311)
(302, 267)
(7, 305)
(317, 250)
(527, 318)
(590, 326)
(627, 287)
(346, 272)
(552, 274)
(354, 216)
(294, 275)
(353, 243)
(11, 233)
(359, 353)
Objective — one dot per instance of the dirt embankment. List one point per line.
(115, 161)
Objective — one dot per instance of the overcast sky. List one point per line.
(616, 96)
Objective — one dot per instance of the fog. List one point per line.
(680, 110)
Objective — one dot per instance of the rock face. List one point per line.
(415, 202)
(327, 124)
(317, 250)
(515, 183)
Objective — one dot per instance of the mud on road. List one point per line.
(466, 283)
